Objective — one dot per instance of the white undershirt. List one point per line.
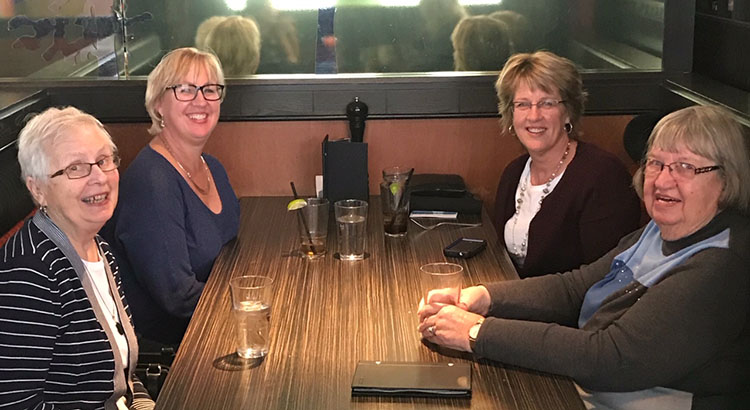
(517, 227)
(99, 278)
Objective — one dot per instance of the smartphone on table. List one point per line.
(465, 248)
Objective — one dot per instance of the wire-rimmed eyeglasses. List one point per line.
(681, 170)
(79, 170)
(545, 105)
(188, 92)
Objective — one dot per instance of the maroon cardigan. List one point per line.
(590, 209)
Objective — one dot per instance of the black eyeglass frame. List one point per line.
(220, 92)
(115, 161)
(696, 170)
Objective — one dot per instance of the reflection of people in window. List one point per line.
(439, 17)
(481, 43)
(236, 41)
(280, 42)
(520, 30)
(204, 28)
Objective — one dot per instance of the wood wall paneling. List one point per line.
(262, 157)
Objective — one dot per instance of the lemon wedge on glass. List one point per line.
(296, 204)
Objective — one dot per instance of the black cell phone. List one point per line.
(412, 379)
(465, 248)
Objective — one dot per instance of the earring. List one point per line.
(43, 209)
(568, 127)
(161, 122)
(511, 131)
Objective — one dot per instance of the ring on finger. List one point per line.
(431, 329)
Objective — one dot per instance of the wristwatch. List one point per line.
(474, 332)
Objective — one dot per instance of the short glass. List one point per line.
(312, 225)
(394, 197)
(444, 277)
(251, 310)
(351, 220)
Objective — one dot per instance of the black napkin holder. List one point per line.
(442, 192)
(345, 170)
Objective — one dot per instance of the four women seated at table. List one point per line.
(612, 325)
(566, 202)
(665, 315)
(177, 208)
(66, 337)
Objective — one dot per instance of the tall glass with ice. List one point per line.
(251, 310)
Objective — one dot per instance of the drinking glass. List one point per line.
(351, 220)
(444, 277)
(251, 309)
(394, 197)
(312, 223)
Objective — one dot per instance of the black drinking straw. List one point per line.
(302, 217)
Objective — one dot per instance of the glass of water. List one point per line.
(351, 220)
(251, 310)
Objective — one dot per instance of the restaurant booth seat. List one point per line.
(15, 202)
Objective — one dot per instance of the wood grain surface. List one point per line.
(329, 314)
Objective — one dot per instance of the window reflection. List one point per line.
(52, 38)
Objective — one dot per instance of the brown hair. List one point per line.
(540, 70)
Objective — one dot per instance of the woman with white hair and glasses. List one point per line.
(177, 207)
(66, 338)
(662, 321)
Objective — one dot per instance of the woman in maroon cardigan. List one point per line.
(565, 203)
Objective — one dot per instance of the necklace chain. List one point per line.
(113, 312)
(203, 191)
(519, 252)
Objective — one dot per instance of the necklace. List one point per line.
(203, 191)
(112, 312)
(518, 253)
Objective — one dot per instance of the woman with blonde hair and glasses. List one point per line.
(566, 202)
(660, 322)
(177, 208)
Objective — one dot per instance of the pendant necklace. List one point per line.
(520, 251)
(203, 191)
(113, 312)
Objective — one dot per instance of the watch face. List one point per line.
(474, 331)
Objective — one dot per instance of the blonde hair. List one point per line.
(480, 43)
(540, 70)
(42, 130)
(204, 28)
(236, 41)
(173, 67)
(711, 132)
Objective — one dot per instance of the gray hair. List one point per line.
(711, 132)
(42, 130)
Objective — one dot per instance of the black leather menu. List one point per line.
(412, 379)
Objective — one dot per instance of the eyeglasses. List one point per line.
(188, 92)
(78, 170)
(681, 170)
(544, 105)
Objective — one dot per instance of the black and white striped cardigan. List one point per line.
(54, 352)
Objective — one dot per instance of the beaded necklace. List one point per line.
(203, 191)
(518, 252)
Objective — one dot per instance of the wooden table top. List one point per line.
(329, 314)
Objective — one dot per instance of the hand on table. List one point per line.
(449, 326)
(447, 323)
(474, 299)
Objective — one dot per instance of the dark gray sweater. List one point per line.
(690, 331)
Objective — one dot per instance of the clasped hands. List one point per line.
(445, 321)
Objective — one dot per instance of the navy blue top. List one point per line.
(166, 240)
